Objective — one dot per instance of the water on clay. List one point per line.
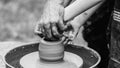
(32, 61)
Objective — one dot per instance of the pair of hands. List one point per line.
(52, 25)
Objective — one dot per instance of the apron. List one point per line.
(97, 34)
(114, 61)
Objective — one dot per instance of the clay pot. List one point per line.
(51, 50)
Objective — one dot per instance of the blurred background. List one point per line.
(18, 19)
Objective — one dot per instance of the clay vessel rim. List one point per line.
(50, 42)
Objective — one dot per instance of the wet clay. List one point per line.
(51, 50)
(70, 61)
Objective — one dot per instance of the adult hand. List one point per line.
(75, 36)
(51, 22)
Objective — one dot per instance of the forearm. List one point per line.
(85, 15)
(67, 2)
(52, 8)
(55, 1)
(60, 2)
(52, 4)
(78, 7)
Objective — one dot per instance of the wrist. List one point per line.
(53, 4)
(55, 1)
(53, 7)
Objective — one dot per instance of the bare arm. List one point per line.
(53, 14)
(77, 7)
(81, 18)
(60, 2)
(67, 2)
(78, 21)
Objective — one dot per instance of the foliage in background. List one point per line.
(18, 18)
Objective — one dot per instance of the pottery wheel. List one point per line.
(32, 60)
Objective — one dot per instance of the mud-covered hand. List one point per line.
(51, 21)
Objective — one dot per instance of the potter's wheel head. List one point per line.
(70, 60)
(12, 58)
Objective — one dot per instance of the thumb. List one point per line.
(78, 39)
(73, 34)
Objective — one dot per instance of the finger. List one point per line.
(39, 30)
(70, 42)
(47, 30)
(61, 24)
(54, 30)
(69, 34)
(66, 34)
(42, 34)
(66, 41)
(73, 34)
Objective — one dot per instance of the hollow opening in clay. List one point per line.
(52, 39)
